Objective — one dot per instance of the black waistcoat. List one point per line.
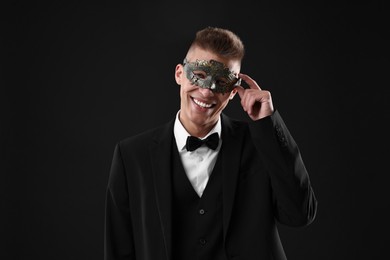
(197, 222)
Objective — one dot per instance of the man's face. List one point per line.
(200, 105)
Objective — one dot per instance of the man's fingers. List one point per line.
(251, 83)
(249, 102)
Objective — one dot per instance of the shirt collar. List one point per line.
(181, 133)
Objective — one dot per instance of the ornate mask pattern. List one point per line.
(211, 74)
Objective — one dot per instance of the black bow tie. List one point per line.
(194, 143)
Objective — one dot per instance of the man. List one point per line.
(172, 196)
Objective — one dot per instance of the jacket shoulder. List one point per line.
(233, 125)
(141, 140)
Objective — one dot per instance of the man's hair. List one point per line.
(220, 41)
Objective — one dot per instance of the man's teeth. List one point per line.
(201, 104)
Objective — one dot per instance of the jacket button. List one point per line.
(202, 241)
(201, 211)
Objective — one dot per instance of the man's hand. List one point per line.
(255, 101)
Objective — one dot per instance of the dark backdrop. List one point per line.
(77, 78)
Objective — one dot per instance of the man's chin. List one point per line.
(202, 119)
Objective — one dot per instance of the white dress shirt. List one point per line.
(198, 164)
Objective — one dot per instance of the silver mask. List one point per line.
(211, 74)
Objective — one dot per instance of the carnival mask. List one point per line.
(211, 74)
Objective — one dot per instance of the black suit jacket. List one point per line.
(264, 181)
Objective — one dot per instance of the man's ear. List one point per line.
(233, 93)
(179, 73)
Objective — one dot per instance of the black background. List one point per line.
(76, 78)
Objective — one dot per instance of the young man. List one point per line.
(205, 186)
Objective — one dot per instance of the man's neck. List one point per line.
(199, 131)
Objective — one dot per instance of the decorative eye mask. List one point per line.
(211, 74)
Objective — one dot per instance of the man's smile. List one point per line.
(203, 104)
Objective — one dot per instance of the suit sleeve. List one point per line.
(294, 200)
(118, 240)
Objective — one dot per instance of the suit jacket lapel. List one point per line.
(160, 151)
(231, 143)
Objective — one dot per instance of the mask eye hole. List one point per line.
(222, 82)
(199, 74)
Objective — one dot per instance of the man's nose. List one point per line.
(206, 92)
